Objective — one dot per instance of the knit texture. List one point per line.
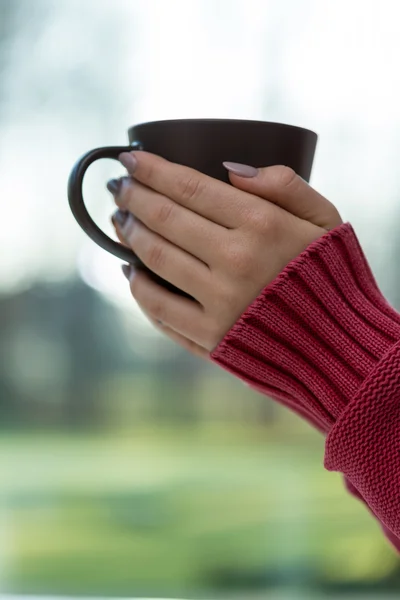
(322, 339)
(365, 442)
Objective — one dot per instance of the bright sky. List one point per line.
(331, 66)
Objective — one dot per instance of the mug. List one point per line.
(203, 144)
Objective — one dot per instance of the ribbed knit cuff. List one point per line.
(316, 332)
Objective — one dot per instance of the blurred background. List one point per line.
(128, 468)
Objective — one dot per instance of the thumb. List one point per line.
(283, 187)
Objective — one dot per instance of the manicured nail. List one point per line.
(129, 272)
(129, 161)
(128, 226)
(241, 170)
(114, 186)
(119, 218)
(126, 269)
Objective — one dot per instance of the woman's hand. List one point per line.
(220, 244)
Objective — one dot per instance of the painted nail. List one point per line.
(114, 186)
(129, 161)
(129, 272)
(119, 217)
(241, 170)
(128, 226)
(126, 269)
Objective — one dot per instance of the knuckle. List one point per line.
(260, 220)
(155, 258)
(240, 259)
(190, 188)
(148, 171)
(334, 218)
(284, 177)
(268, 223)
(164, 212)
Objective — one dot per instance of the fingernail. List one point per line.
(126, 269)
(129, 272)
(128, 226)
(119, 217)
(241, 170)
(114, 186)
(129, 161)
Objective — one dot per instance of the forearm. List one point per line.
(323, 340)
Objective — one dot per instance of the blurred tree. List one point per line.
(61, 343)
(57, 345)
(97, 346)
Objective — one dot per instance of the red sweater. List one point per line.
(322, 340)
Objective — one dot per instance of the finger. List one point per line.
(117, 219)
(188, 345)
(166, 260)
(206, 196)
(177, 224)
(282, 186)
(184, 316)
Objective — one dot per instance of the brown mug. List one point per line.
(203, 144)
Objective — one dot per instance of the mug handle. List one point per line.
(78, 208)
(77, 203)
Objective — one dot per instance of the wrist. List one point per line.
(317, 331)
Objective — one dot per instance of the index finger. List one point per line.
(213, 199)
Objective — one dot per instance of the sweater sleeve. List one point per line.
(322, 339)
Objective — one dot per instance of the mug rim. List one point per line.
(226, 120)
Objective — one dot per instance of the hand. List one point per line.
(220, 244)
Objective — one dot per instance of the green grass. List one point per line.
(174, 510)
